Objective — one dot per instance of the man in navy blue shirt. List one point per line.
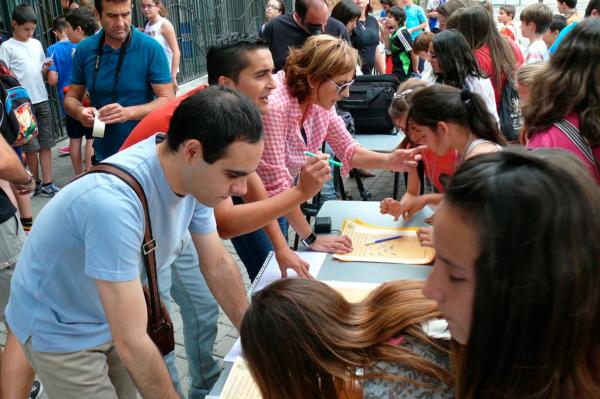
(291, 30)
(125, 72)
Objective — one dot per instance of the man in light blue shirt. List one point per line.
(77, 292)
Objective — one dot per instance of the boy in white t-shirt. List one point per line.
(535, 21)
(24, 55)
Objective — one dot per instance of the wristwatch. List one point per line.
(308, 241)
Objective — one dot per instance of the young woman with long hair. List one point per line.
(516, 275)
(566, 113)
(453, 64)
(160, 28)
(446, 119)
(497, 55)
(347, 12)
(303, 340)
(365, 38)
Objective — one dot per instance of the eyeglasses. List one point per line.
(147, 6)
(272, 7)
(432, 55)
(341, 88)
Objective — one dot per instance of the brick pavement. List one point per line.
(380, 186)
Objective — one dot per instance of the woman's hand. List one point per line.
(332, 244)
(425, 236)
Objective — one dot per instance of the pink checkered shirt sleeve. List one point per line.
(340, 140)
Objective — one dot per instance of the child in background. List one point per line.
(80, 23)
(535, 21)
(569, 10)
(416, 21)
(404, 60)
(24, 55)
(435, 166)
(558, 24)
(59, 72)
(420, 47)
(432, 14)
(506, 14)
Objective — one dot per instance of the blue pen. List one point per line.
(384, 240)
(331, 161)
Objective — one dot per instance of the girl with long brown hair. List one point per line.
(566, 110)
(516, 275)
(303, 340)
(498, 56)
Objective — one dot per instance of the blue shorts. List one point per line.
(75, 130)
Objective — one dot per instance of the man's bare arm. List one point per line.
(125, 310)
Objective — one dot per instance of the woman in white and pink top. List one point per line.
(162, 30)
(566, 113)
(302, 116)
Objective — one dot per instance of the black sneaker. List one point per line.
(36, 390)
(38, 189)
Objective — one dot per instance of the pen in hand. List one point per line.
(331, 161)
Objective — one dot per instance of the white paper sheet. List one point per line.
(272, 273)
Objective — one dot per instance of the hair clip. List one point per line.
(403, 94)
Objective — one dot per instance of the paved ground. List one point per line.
(380, 186)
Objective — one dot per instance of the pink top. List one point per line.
(554, 138)
(283, 156)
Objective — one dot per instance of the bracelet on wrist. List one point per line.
(309, 240)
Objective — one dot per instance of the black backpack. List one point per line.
(368, 103)
(17, 121)
(509, 113)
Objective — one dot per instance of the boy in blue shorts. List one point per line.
(78, 24)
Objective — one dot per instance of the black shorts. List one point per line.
(76, 130)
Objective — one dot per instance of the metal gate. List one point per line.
(196, 22)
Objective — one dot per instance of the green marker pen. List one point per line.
(331, 161)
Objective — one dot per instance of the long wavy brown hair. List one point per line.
(570, 83)
(321, 57)
(303, 340)
(479, 29)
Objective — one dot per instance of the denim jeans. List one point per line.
(199, 312)
(328, 191)
(253, 248)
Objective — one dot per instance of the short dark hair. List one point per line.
(98, 4)
(216, 117)
(509, 9)
(539, 14)
(345, 11)
(387, 3)
(398, 14)
(227, 57)
(24, 13)
(59, 24)
(422, 42)
(84, 18)
(558, 23)
(569, 3)
(592, 5)
(281, 6)
(302, 6)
